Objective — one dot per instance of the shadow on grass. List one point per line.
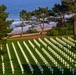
(46, 70)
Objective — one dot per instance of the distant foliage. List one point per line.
(59, 30)
(54, 32)
(31, 31)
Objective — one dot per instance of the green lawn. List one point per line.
(37, 71)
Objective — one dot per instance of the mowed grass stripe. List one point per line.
(35, 54)
(0, 65)
(42, 46)
(27, 53)
(46, 70)
(19, 53)
(58, 54)
(63, 49)
(25, 65)
(14, 59)
(46, 48)
(7, 63)
(59, 60)
(39, 49)
(56, 71)
(68, 49)
(44, 55)
(36, 69)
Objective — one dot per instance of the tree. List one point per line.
(60, 9)
(41, 13)
(72, 6)
(23, 17)
(4, 27)
(22, 25)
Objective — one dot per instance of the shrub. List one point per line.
(31, 31)
(60, 31)
(54, 32)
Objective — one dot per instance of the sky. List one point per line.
(15, 6)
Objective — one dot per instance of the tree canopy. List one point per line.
(72, 7)
(24, 15)
(42, 13)
(4, 26)
(60, 10)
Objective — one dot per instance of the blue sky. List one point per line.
(28, 4)
(15, 6)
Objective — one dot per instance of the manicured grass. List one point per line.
(35, 67)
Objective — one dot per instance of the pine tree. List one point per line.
(4, 27)
(72, 7)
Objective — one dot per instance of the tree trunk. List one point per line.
(22, 25)
(22, 31)
(42, 27)
(42, 31)
(75, 25)
(63, 20)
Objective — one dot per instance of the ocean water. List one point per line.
(15, 6)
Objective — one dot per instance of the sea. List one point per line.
(14, 7)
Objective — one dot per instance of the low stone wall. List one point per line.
(25, 35)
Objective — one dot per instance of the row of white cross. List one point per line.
(68, 41)
(61, 52)
(10, 59)
(59, 57)
(71, 39)
(65, 43)
(43, 59)
(61, 60)
(62, 42)
(34, 58)
(42, 42)
(69, 58)
(66, 49)
(27, 60)
(54, 52)
(37, 43)
(20, 64)
(53, 60)
(3, 65)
